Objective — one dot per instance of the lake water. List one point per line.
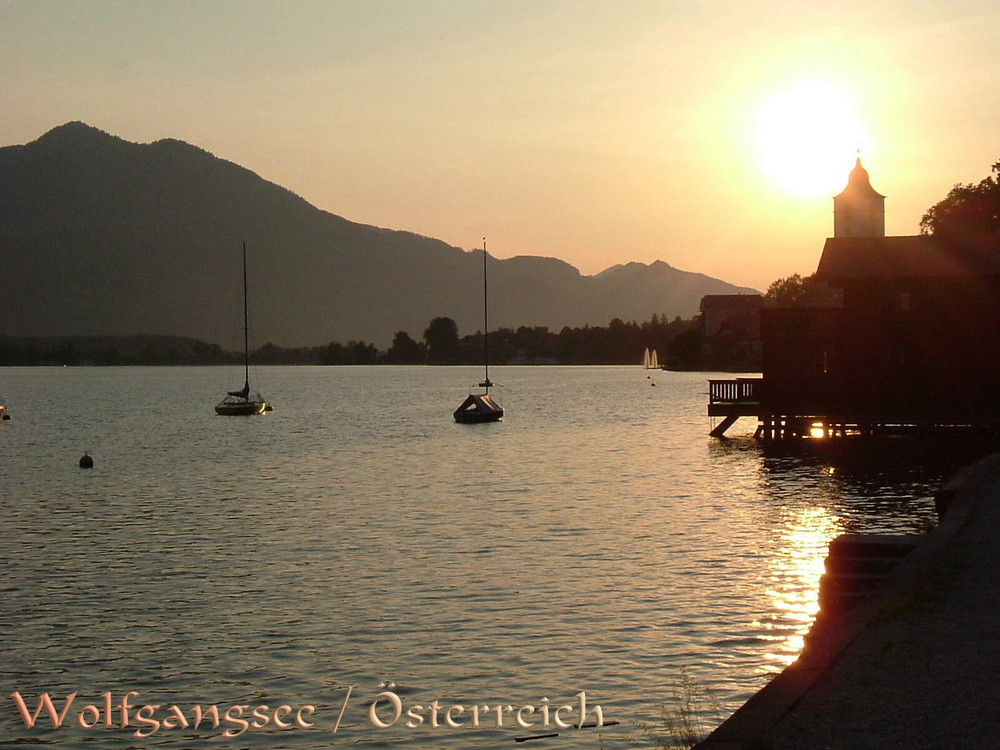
(357, 538)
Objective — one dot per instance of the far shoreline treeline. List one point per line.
(679, 342)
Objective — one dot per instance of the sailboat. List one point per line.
(650, 360)
(244, 401)
(481, 407)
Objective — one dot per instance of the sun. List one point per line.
(807, 139)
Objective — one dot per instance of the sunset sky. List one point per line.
(709, 134)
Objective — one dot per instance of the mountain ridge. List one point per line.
(100, 235)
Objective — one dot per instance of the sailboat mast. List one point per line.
(246, 325)
(486, 319)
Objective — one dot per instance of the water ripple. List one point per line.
(611, 547)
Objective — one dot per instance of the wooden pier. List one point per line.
(780, 420)
(732, 399)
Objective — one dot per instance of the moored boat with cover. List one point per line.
(481, 407)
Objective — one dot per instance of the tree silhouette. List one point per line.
(970, 214)
(405, 351)
(441, 338)
(788, 291)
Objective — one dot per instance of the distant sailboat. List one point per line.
(481, 407)
(650, 360)
(244, 401)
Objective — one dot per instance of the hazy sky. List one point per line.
(698, 132)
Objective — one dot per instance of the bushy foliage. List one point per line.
(970, 214)
(788, 291)
(441, 337)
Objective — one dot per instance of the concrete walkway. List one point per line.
(915, 665)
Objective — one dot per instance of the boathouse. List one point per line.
(904, 336)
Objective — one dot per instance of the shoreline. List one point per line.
(909, 666)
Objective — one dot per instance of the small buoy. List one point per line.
(86, 462)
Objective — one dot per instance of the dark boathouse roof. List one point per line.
(900, 257)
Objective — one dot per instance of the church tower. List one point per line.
(859, 211)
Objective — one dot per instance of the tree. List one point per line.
(684, 350)
(334, 353)
(405, 351)
(796, 291)
(970, 214)
(788, 291)
(441, 338)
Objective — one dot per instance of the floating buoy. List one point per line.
(86, 462)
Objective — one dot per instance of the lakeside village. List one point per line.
(887, 331)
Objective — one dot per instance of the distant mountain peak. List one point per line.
(635, 267)
(76, 134)
(177, 145)
(76, 131)
(79, 137)
(77, 126)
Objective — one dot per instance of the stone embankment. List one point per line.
(906, 650)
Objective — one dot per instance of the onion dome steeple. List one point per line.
(859, 211)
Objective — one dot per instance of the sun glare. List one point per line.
(807, 139)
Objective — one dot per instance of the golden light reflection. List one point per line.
(795, 573)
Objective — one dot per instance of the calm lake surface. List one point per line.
(596, 540)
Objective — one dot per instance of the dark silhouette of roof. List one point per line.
(910, 256)
(728, 301)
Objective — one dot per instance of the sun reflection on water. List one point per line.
(794, 578)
